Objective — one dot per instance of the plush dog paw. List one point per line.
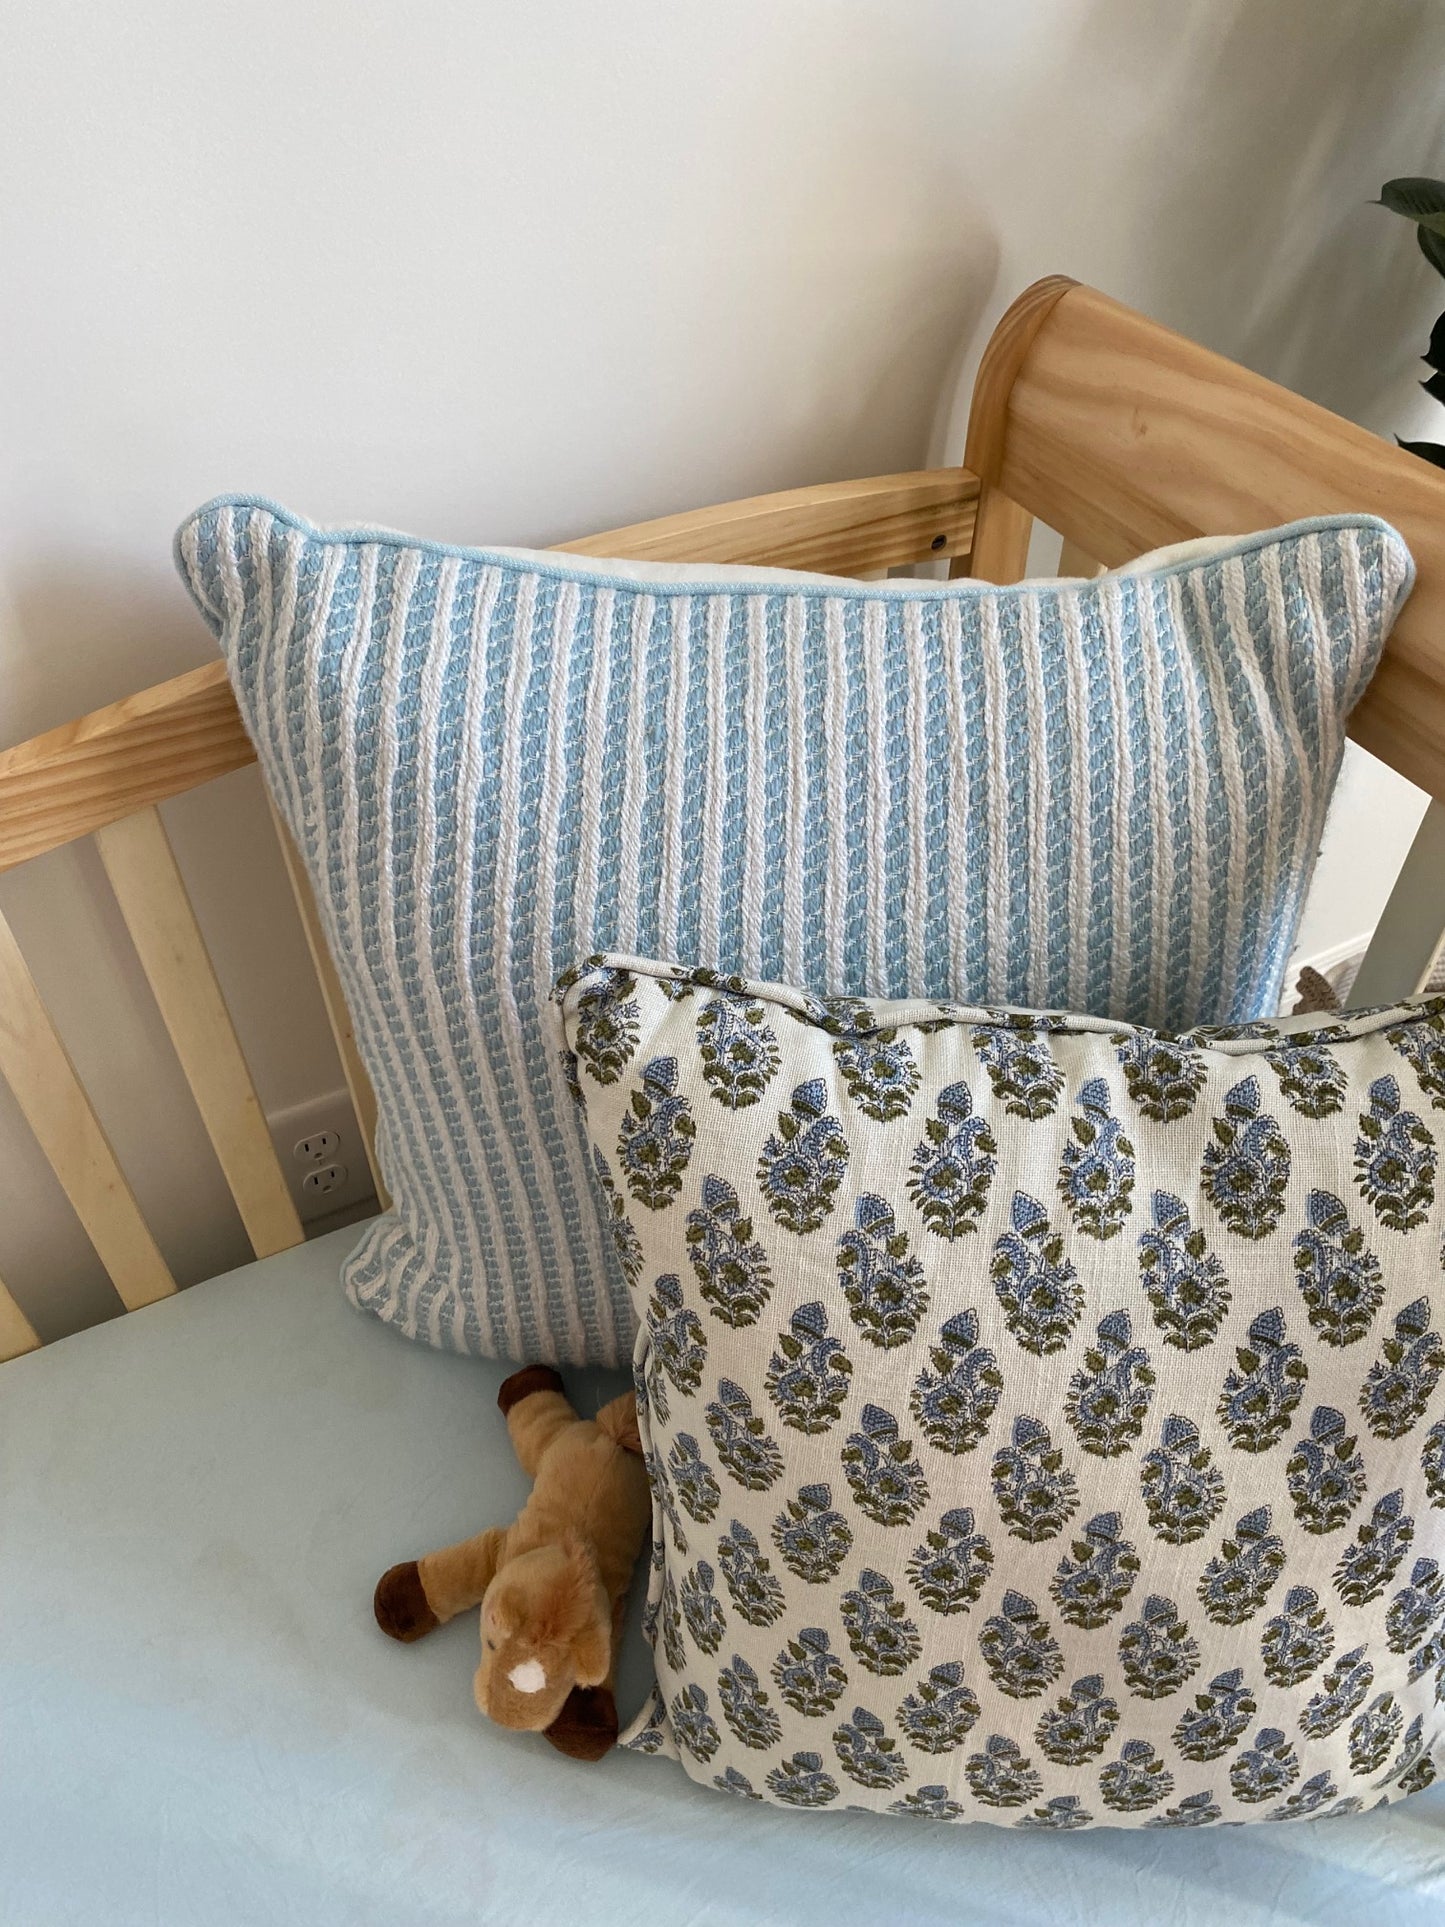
(531, 1378)
(400, 1604)
(586, 1728)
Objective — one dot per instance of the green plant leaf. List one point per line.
(1435, 387)
(1427, 451)
(1432, 246)
(1417, 199)
(1434, 355)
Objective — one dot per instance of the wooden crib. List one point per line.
(1113, 431)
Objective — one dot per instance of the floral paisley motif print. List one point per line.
(1310, 1079)
(1373, 1734)
(701, 1608)
(1297, 1640)
(614, 1211)
(1096, 1178)
(1336, 1271)
(867, 1752)
(737, 1048)
(1432, 1463)
(1090, 1586)
(747, 1452)
(809, 1373)
(732, 1268)
(955, 1394)
(801, 1782)
(883, 1638)
(1043, 1421)
(655, 1141)
(1368, 1566)
(1326, 1474)
(1162, 1076)
(951, 1567)
(808, 1674)
(1036, 1282)
(693, 1725)
(755, 1592)
(812, 1536)
(679, 1344)
(1183, 1488)
(1400, 1383)
(1266, 1769)
(1265, 1386)
(882, 1282)
(1238, 1580)
(1342, 1689)
(1108, 1398)
(1217, 1718)
(1020, 1068)
(1079, 1726)
(1019, 1648)
(929, 1803)
(1246, 1168)
(1137, 1780)
(1417, 1613)
(605, 1034)
(881, 1467)
(1199, 1810)
(940, 1712)
(1394, 1159)
(1157, 1651)
(881, 1073)
(1001, 1776)
(1182, 1277)
(1422, 1045)
(746, 1706)
(953, 1167)
(1036, 1492)
(1062, 1814)
(692, 1478)
(731, 1781)
(803, 1162)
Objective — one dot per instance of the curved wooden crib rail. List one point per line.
(1116, 432)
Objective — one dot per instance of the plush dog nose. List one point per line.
(529, 1677)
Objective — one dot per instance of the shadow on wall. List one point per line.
(1203, 162)
(1267, 248)
(854, 271)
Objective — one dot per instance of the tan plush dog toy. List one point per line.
(551, 1585)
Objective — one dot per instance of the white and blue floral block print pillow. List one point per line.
(1044, 1416)
(1106, 795)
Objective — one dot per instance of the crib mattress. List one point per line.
(199, 1721)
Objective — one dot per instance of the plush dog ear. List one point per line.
(586, 1728)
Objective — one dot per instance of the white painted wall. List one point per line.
(504, 271)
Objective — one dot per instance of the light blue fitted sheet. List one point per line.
(199, 1722)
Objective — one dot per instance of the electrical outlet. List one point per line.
(319, 1145)
(325, 1180)
(319, 1148)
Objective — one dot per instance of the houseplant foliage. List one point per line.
(1423, 202)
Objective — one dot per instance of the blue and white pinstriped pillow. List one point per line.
(1101, 796)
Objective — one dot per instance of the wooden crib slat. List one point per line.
(1076, 561)
(358, 1084)
(17, 1334)
(37, 1067)
(1407, 937)
(157, 909)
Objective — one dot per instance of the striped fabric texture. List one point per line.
(1103, 797)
